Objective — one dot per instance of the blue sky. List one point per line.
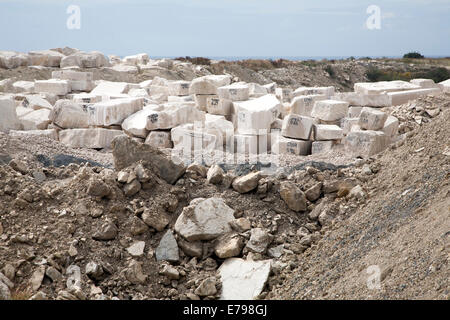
(229, 27)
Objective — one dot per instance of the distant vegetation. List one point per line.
(413, 55)
(196, 60)
(329, 69)
(437, 74)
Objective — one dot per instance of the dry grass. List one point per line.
(21, 293)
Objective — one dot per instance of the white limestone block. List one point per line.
(36, 120)
(82, 59)
(282, 145)
(159, 139)
(179, 99)
(321, 146)
(445, 85)
(383, 87)
(138, 93)
(113, 112)
(424, 83)
(95, 138)
(297, 127)
(192, 138)
(284, 94)
(390, 127)
(137, 59)
(209, 84)
(303, 105)
(234, 92)
(365, 143)
(218, 106)
(49, 133)
(36, 102)
(174, 115)
(201, 100)
(110, 88)
(327, 132)
(46, 58)
(328, 92)
(8, 116)
(354, 111)
(348, 123)
(255, 116)
(401, 97)
(271, 87)
(329, 110)
(79, 81)
(372, 119)
(219, 126)
(257, 90)
(159, 93)
(136, 123)
(179, 88)
(54, 86)
(13, 59)
(358, 99)
(23, 86)
(86, 98)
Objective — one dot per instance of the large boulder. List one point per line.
(127, 151)
(95, 138)
(204, 219)
(46, 58)
(68, 114)
(8, 115)
(293, 196)
(82, 59)
(13, 59)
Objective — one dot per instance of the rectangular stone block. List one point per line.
(297, 127)
(372, 119)
(36, 102)
(136, 123)
(257, 90)
(49, 133)
(328, 92)
(8, 116)
(209, 84)
(23, 86)
(36, 120)
(329, 110)
(383, 87)
(254, 116)
(179, 88)
(354, 111)
(282, 145)
(303, 105)
(365, 143)
(174, 115)
(220, 127)
(201, 100)
(390, 127)
(445, 85)
(109, 88)
(79, 81)
(401, 97)
(54, 86)
(284, 94)
(359, 99)
(424, 83)
(95, 138)
(114, 111)
(159, 139)
(218, 106)
(180, 99)
(327, 132)
(322, 146)
(234, 92)
(190, 138)
(348, 123)
(271, 87)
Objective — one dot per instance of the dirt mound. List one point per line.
(402, 230)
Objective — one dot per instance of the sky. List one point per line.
(223, 28)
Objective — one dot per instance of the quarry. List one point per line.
(136, 178)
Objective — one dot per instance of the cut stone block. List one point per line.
(209, 84)
(271, 87)
(372, 119)
(283, 145)
(114, 111)
(359, 99)
(219, 126)
(445, 85)
(383, 87)
(159, 139)
(82, 59)
(219, 106)
(201, 100)
(36, 102)
(172, 116)
(21, 111)
(328, 92)
(329, 110)
(366, 143)
(54, 86)
(256, 90)
(79, 81)
(136, 123)
(348, 123)
(143, 93)
(36, 120)
(105, 88)
(95, 138)
(23, 86)
(401, 97)
(255, 116)
(297, 127)
(424, 83)
(179, 99)
(49, 133)
(303, 105)
(327, 132)
(354, 111)
(8, 116)
(46, 58)
(234, 92)
(190, 138)
(179, 88)
(137, 59)
(86, 98)
(321, 146)
(159, 93)
(390, 127)
(13, 59)
(284, 94)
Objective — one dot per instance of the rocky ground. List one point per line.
(83, 224)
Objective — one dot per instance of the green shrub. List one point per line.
(413, 55)
(329, 69)
(437, 74)
(196, 60)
